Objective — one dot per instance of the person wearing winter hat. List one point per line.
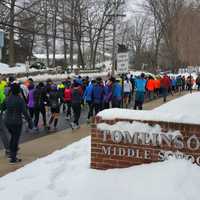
(54, 103)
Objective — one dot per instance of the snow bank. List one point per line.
(181, 110)
(19, 68)
(65, 175)
(56, 77)
(137, 127)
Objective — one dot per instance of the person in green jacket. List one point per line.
(3, 135)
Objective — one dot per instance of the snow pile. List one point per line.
(19, 68)
(181, 110)
(138, 73)
(136, 127)
(65, 175)
(3, 65)
(56, 77)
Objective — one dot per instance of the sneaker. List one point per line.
(72, 124)
(15, 160)
(89, 121)
(76, 126)
(67, 118)
(7, 153)
(36, 128)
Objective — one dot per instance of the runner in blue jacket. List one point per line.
(140, 85)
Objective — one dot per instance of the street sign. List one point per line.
(1, 39)
(122, 62)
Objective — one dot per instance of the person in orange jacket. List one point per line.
(157, 87)
(150, 88)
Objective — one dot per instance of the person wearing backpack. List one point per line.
(54, 103)
(40, 100)
(76, 104)
(15, 108)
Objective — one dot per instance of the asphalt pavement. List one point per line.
(63, 124)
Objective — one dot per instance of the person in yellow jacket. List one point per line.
(3, 135)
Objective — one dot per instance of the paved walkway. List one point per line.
(43, 146)
(32, 150)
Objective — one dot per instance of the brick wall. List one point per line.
(142, 153)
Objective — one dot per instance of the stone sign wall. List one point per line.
(113, 149)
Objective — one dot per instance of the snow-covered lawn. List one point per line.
(66, 175)
(19, 68)
(181, 110)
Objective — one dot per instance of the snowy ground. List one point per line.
(181, 110)
(19, 68)
(66, 175)
(55, 77)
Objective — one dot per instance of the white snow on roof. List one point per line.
(66, 175)
(57, 56)
(181, 110)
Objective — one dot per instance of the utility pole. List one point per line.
(116, 4)
(114, 38)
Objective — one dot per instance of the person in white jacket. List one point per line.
(127, 91)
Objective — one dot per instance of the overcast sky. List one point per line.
(134, 7)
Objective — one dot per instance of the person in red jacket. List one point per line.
(68, 100)
(165, 86)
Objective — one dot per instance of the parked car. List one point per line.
(38, 65)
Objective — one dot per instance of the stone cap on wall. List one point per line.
(181, 110)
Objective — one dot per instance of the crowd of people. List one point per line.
(28, 99)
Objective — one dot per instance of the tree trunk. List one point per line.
(72, 35)
(11, 34)
(104, 42)
(55, 31)
(64, 32)
(46, 33)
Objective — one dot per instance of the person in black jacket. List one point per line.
(41, 100)
(55, 100)
(15, 108)
(77, 93)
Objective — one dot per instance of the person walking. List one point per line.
(116, 93)
(3, 134)
(15, 108)
(165, 86)
(150, 86)
(140, 84)
(107, 94)
(97, 95)
(41, 100)
(68, 100)
(198, 82)
(88, 99)
(54, 104)
(76, 104)
(30, 100)
(127, 91)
